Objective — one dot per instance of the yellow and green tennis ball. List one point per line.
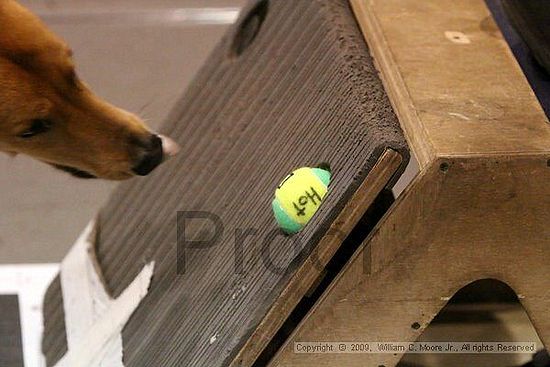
(298, 197)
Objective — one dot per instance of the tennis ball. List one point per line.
(299, 196)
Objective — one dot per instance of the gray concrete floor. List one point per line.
(139, 60)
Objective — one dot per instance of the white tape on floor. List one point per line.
(93, 319)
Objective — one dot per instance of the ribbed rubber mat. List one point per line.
(304, 91)
(54, 342)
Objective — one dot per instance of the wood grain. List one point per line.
(479, 207)
(453, 97)
(479, 219)
(312, 268)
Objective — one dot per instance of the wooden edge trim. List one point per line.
(304, 278)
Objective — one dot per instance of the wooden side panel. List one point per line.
(452, 79)
(480, 206)
(476, 219)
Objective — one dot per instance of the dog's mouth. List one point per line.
(74, 171)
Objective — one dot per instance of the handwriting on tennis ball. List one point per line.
(299, 196)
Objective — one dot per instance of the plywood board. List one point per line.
(452, 78)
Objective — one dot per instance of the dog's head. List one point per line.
(47, 112)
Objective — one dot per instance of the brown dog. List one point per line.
(49, 114)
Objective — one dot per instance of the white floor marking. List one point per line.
(29, 282)
(93, 319)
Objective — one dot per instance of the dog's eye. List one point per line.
(38, 126)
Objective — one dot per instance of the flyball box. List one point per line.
(291, 84)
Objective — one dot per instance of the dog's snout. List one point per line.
(153, 156)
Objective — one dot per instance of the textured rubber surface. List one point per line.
(304, 91)
(54, 343)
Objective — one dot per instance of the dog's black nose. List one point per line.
(152, 158)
